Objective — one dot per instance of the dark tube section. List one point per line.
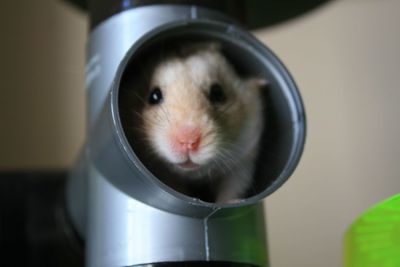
(250, 13)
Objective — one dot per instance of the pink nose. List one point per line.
(186, 139)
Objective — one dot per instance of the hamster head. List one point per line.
(199, 115)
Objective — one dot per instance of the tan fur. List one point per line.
(232, 128)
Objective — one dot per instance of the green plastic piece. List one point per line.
(373, 240)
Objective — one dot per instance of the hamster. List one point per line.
(201, 121)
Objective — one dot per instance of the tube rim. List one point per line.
(219, 30)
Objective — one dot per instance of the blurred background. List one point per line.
(344, 57)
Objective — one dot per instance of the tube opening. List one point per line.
(204, 105)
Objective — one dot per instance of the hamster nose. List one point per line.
(188, 138)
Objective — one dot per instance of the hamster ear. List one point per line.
(257, 83)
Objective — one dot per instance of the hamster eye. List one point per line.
(217, 94)
(155, 96)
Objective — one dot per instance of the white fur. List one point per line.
(185, 83)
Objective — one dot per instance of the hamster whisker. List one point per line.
(225, 161)
(226, 155)
(137, 113)
(153, 123)
(166, 113)
(222, 166)
(208, 133)
(236, 163)
(247, 171)
(139, 97)
(140, 115)
(157, 118)
(230, 105)
(205, 144)
(225, 110)
(230, 146)
(136, 129)
(235, 148)
(219, 164)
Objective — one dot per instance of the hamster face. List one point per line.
(199, 116)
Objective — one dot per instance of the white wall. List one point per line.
(345, 58)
